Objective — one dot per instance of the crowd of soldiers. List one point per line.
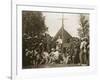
(35, 52)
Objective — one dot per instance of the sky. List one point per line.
(54, 22)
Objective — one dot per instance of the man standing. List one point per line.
(59, 43)
(83, 51)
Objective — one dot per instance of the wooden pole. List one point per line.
(62, 31)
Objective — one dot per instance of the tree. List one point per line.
(83, 31)
(33, 22)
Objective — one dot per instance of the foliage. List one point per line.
(33, 22)
(83, 31)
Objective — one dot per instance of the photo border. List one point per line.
(15, 72)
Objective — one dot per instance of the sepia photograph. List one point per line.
(55, 39)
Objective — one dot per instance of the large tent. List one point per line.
(64, 35)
